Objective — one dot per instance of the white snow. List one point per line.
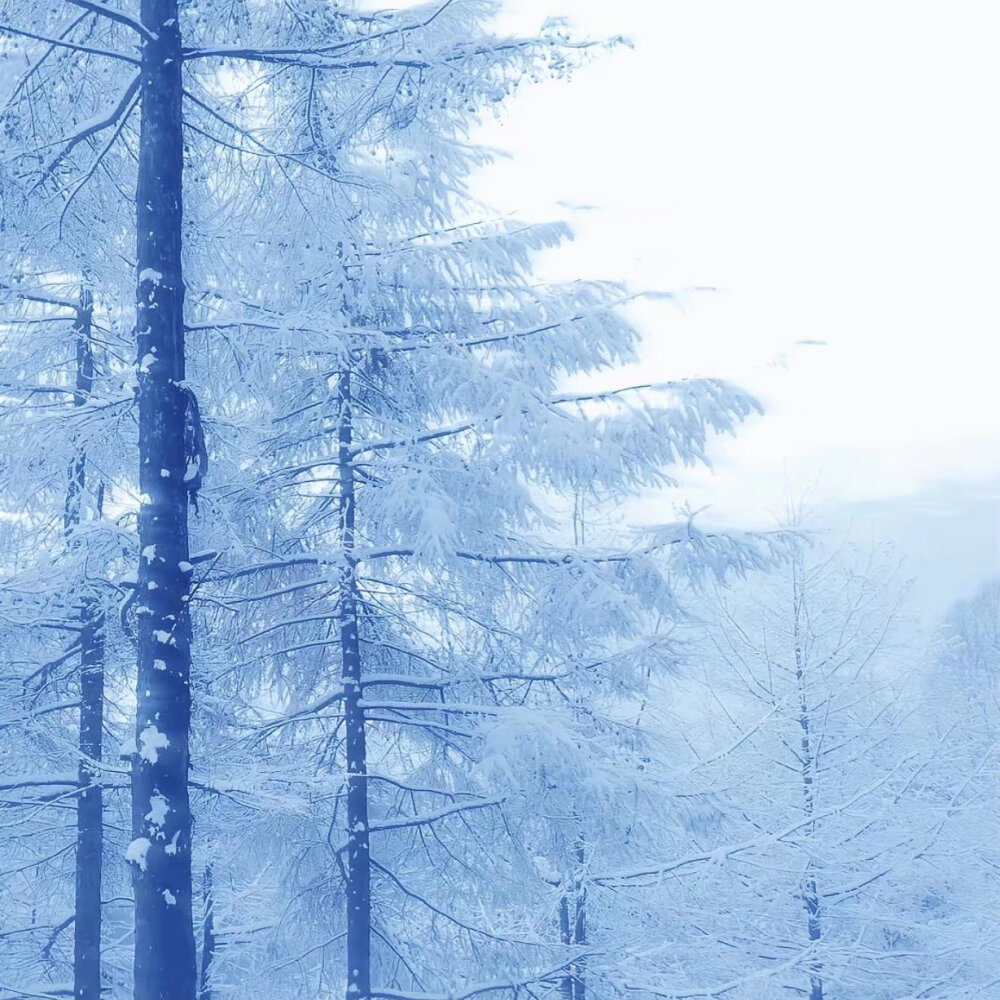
(158, 809)
(151, 741)
(136, 852)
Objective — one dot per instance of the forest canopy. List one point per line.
(330, 663)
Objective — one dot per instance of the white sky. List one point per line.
(833, 171)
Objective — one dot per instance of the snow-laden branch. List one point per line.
(434, 817)
(243, 52)
(113, 14)
(713, 992)
(33, 713)
(474, 422)
(513, 985)
(61, 43)
(31, 993)
(94, 128)
(41, 781)
(720, 854)
(43, 298)
(320, 62)
(99, 159)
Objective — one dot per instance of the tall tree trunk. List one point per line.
(208, 942)
(165, 963)
(90, 804)
(810, 891)
(358, 891)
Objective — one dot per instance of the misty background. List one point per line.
(820, 182)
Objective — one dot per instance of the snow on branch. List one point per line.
(62, 43)
(512, 985)
(113, 14)
(227, 52)
(434, 817)
(94, 128)
(725, 852)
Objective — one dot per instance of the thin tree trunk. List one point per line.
(573, 928)
(566, 933)
(810, 891)
(89, 810)
(89, 805)
(208, 942)
(580, 923)
(165, 963)
(358, 890)
(575, 984)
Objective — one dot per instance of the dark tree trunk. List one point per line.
(82, 338)
(165, 964)
(90, 805)
(208, 938)
(89, 811)
(358, 890)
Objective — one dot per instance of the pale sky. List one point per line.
(833, 172)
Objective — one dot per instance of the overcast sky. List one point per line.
(832, 171)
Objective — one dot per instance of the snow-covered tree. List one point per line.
(959, 707)
(387, 620)
(809, 877)
(61, 422)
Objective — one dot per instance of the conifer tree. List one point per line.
(378, 592)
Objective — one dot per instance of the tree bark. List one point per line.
(165, 963)
(358, 889)
(89, 804)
